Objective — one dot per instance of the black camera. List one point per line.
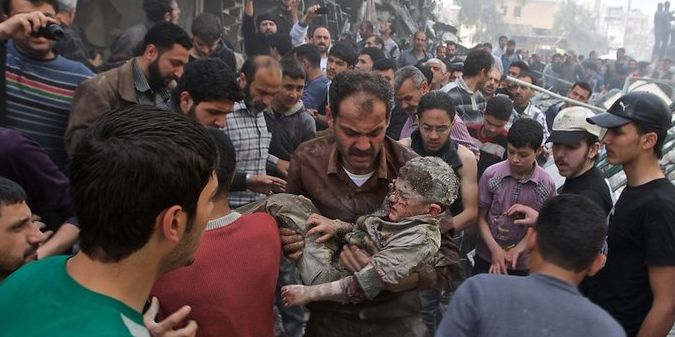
(51, 31)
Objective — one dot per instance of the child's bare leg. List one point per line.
(297, 294)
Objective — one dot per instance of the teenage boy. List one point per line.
(636, 286)
(490, 134)
(287, 120)
(519, 179)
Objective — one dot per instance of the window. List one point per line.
(516, 11)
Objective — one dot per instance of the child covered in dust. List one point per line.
(402, 238)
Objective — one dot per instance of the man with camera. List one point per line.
(40, 84)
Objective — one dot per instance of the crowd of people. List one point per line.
(299, 185)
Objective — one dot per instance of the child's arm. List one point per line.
(319, 224)
(498, 254)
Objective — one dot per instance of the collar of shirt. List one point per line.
(462, 85)
(535, 175)
(242, 107)
(333, 162)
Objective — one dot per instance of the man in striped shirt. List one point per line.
(40, 84)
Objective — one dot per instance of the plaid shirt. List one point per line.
(160, 98)
(532, 112)
(251, 140)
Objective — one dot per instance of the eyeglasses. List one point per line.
(441, 129)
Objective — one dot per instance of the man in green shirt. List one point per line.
(142, 183)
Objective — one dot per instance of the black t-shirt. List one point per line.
(592, 185)
(641, 234)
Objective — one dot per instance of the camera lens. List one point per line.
(52, 31)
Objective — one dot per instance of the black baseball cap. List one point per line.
(643, 108)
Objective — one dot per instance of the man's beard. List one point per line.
(257, 106)
(156, 81)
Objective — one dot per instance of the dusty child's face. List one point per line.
(404, 202)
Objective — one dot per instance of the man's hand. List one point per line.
(523, 215)
(320, 224)
(23, 24)
(282, 166)
(353, 258)
(266, 184)
(167, 327)
(498, 261)
(310, 14)
(292, 243)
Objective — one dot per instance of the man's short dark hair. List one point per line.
(660, 137)
(476, 61)
(375, 54)
(426, 71)
(571, 229)
(156, 9)
(487, 45)
(252, 64)
(384, 64)
(207, 27)
(500, 107)
(309, 52)
(164, 36)
(10, 193)
(526, 74)
(227, 160)
(7, 5)
(281, 42)
(520, 65)
(344, 52)
(208, 80)
(503, 37)
(451, 43)
(133, 164)
(511, 42)
(526, 132)
(368, 24)
(349, 83)
(436, 99)
(291, 68)
(584, 85)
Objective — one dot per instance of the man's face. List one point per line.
(420, 41)
(388, 75)
(441, 51)
(440, 76)
(268, 27)
(359, 132)
(167, 67)
(514, 71)
(579, 94)
(521, 93)
(204, 48)
(290, 93)
(555, 59)
(385, 28)
(38, 47)
(364, 63)
(535, 58)
(261, 91)
(409, 96)
(19, 237)
(622, 144)
(492, 126)
(451, 50)
(571, 159)
(183, 254)
(494, 79)
(435, 126)
(321, 39)
(211, 113)
(510, 48)
(285, 4)
(521, 159)
(502, 42)
(334, 66)
(404, 202)
(620, 53)
(175, 13)
(371, 41)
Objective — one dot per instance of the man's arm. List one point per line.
(64, 238)
(88, 105)
(468, 190)
(21, 25)
(661, 316)
(498, 254)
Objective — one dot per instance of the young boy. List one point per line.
(519, 179)
(491, 132)
(401, 238)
